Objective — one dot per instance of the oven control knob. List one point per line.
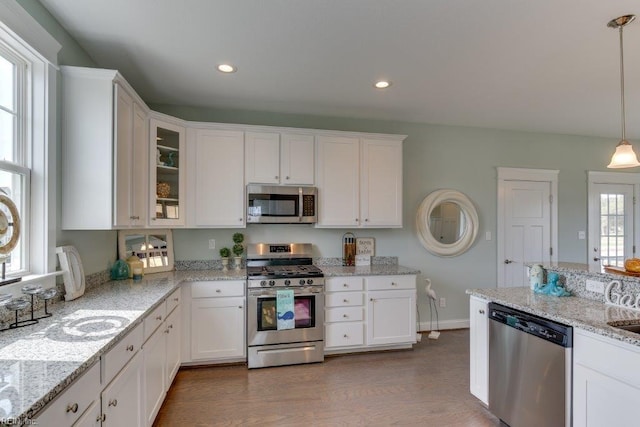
(309, 281)
(263, 283)
(272, 282)
(301, 281)
(287, 282)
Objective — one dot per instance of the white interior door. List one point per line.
(527, 222)
(611, 225)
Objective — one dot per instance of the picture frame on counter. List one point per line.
(366, 246)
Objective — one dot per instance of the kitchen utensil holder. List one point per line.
(21, 303)
(348, 249)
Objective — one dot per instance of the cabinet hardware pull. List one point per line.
(508, 261)
(134, 217)
(113, 403)
(345, 316)
(596, 259)
(159, 318)
(344, 285)
(153, 219)
(240, 307)
(240, 220)
(72, 408)
(287, 177)
(166, 331)
(218, 291)
(130, 347)
(394, 284)
(346, 336)
(176, 299)
(372, 300)
(481, 311)
(366, 220)
(171, 326)
(345, 300)
(101, 418)
(357, 219)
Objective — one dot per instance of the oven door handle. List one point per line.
(272, 294)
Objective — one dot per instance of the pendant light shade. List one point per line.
(624, 157)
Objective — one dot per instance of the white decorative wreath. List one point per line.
(7, 224)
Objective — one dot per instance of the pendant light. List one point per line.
(624, 157)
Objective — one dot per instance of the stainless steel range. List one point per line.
(289, 334)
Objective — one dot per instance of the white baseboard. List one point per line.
(444, 325)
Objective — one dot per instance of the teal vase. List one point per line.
(120, 270)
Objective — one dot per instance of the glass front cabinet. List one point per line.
(167, 195)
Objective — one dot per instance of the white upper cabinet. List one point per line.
(105, 165)
(359, 181)
(279, 158)
(216, 178)
(167, 178)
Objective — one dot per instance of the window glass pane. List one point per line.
(7, 135)
(12, 186)
(7, 84)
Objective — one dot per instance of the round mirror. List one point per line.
(447, 223)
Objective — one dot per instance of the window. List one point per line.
(28, 61)
(14, 146)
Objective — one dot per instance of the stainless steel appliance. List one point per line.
(282, 204)
(276, 267)
(530, 370)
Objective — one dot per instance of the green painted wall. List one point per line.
(434, 157)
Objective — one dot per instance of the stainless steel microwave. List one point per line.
(270, 204)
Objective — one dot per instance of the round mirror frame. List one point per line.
(422, 223)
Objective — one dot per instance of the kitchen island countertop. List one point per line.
(583, 313)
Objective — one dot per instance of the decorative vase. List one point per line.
(225, 263)
(163, 190)
(237, 261)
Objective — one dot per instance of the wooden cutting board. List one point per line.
(620, 270)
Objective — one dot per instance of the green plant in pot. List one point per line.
(224, 256)
(238, 249)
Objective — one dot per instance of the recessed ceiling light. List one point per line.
(226, 68)
(382, 84)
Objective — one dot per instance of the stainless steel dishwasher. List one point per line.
(529, 369)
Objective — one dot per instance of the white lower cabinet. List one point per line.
(155, 355)
(367, 312)
(479, 348)
(122, 403)
(606, 381)
(216, 322)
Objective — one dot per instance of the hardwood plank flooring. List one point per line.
(427, 386)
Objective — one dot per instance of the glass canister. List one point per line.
(136, 267)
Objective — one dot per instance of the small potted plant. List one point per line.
(237, 249)
(224, 256)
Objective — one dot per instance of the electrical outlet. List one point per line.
(595, 286)
(443, 302)
(212, 243)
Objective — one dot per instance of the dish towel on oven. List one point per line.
(284, 308)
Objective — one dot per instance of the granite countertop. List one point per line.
(574, 311)
(40, 360)
(367, 270)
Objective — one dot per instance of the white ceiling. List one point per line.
(543, 65)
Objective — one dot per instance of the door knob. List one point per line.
(596, 258)
(508, 261)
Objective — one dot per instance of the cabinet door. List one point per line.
(174, 330)
(297, 154)
(602, 401)
(217, 328)
(381, 183)
(155, 356)
(479, 349)
(391, 317)
(167, 151)
(262, 157)
(91, 418)
(122, 174)
(140, 167)
(218, 180)
(122, 403)
(337, 181)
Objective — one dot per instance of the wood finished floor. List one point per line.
(426, 386)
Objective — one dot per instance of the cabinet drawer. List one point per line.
(153, 320)
(343, 299)
(115, 359)
(67, 408)
(173, 300)
(343, 284)
(384, 283)
(344, 314)
(344, 334)
(218, 288)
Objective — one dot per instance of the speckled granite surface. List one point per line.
(337, 262)
(369, 270)
(588, 314)
(39, 361)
